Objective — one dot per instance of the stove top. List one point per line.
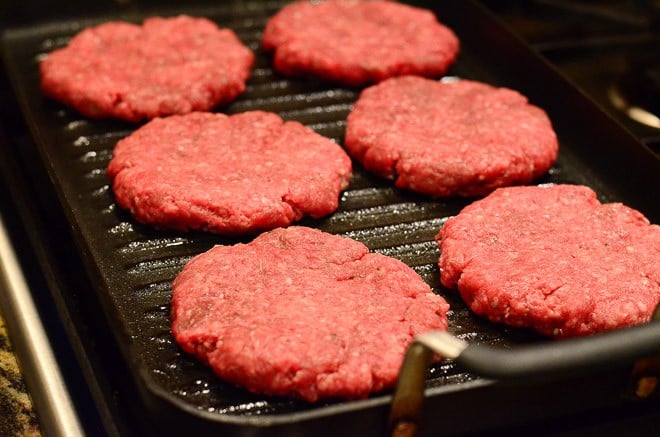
(608, 48)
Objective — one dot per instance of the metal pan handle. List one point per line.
(552, 359)
(564, 357)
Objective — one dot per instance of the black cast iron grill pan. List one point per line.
(132, 266)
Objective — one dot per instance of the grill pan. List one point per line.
(132, 266)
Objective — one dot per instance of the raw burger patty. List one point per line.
(359, 42)
(459, 138)
(166, 66)
(303, 313)
(553, 259)
(227, 174)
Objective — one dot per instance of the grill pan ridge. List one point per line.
(133, 265)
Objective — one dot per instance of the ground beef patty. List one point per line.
(301, 312)
(227, 174)
(458, 138)
(166, 66)
(553, 259)
(359, 42)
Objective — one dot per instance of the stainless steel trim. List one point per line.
(53, 405)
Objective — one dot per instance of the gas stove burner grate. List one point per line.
(637, 92)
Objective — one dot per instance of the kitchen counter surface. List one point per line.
(17, 417)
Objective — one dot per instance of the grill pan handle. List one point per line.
(552, 359)
(564, 357)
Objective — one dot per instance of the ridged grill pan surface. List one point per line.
(133, 265)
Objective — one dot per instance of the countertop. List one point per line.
(17, 417)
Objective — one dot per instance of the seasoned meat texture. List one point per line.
(166, 66)
(458, 138)
(554, 259)
(227, 174)
(299, 312)
(359, 42)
